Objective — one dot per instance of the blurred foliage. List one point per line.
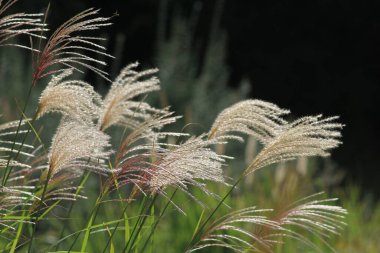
(195, 84)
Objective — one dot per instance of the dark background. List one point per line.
(308, 56)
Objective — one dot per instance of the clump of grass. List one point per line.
(144, 171)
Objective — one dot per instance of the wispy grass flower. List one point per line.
(119, 108)
(19, 24)
(252, 230)
(236, 231)
(35, 181)
(142, 145)
(13, 201)
(6, 142)
(307, 136)
(68, 47)
(283, 141)
(191, 163)
(4, 163)
(148, 131)
(76, 147)
(82, 105)
(154, 167)
(312, 215)
(257, 118)
(14, 196)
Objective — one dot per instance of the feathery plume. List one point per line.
(12, 197)
(28, 172)
(68, 48)
(73, 98)
(258, 233)
(12, 201)
(118, 107)
(307, 136)
(6, 144)
(148, 131)
(132, 159)
(184, 165)
(18, 24)
(154, 167)
(218, 234)
(4, 163)
(256, 118)
(316, 216)
(76, 147)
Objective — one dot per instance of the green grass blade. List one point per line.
(33, 129)
(48, 210)
(88, 230)
(127, 231)
(112, 247)
(158, 220)
(15, 241)
(198, 223)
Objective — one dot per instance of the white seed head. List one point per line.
(154, 167)
(256, 118)
(76, 147)
(68, 47)
(75, 99)
(119, 108)
(307, 136)
(183, 165)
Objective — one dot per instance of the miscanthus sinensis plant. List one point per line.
(39, 179)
